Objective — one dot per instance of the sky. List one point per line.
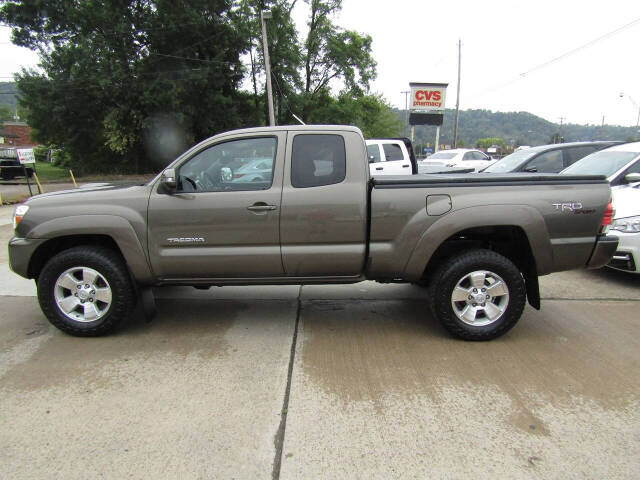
(416, 41)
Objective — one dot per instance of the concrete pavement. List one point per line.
(373, 388)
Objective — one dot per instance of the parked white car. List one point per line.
(390, 156)
(460, 158)
(626, 226)
(620, 164)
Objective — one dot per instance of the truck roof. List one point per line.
(297, 128)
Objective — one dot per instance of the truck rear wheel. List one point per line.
(86, 291)
(478, 295)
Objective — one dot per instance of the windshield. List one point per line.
(511, 162)
(441, 156)
(604, 162)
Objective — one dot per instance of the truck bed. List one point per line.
(560, 216)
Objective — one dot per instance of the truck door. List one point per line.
(223, 219)
(397, 160)
(324, 200)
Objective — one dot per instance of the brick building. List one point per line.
(16, 134)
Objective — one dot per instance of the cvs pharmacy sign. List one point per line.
(427, 97)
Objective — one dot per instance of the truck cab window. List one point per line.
(392, 152)
(317, 160)
(245, 164)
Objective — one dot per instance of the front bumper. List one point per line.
(20, 253)
(627, 255)
(603, 251)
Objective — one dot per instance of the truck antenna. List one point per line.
(298, 118)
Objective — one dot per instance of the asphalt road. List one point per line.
(324, 382)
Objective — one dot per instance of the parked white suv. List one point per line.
(390, 156)
(461, 158)
(626, 226)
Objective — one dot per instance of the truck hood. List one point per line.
(86, 188)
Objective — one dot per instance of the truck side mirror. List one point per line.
(372, 159)
(168, 179)
(632, 177)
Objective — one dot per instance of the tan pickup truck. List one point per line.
(296, 205)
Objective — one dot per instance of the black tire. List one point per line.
(451, 272)
(108, 264)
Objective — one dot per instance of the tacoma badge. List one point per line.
(185, 240)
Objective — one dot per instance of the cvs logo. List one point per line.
(428, 95)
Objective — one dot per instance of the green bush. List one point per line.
(40, 152)
(61, 158)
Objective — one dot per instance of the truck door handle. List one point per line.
(379, 168)
(261, 207)
(405, 166)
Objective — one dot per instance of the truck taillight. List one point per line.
(608, 218)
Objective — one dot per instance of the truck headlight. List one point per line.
(628, 225)
(18, 214)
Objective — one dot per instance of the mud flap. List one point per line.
(148, 303)
(533, 289)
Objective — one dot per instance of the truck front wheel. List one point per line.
(478, 295)
(86, 291)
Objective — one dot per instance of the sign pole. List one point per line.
(24, 169)
(436, 147)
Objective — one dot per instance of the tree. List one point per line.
(331, 54)
(368, 112)
(125, 85)
(489, 142)
(5, 113)
(284, 52)
(556, 138)
(118, 75)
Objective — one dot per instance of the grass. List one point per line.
(47, 172)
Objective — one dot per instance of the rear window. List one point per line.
(442, 156)
(317, 160)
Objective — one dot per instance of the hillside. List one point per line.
(7, 95)
(516, 128)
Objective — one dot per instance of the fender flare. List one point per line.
(526, 217)
(115, 227)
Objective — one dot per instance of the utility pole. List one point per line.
(561, 135)
(602, 129)
(635, 104)
(455, 125)
(406, 109)
(265, 15)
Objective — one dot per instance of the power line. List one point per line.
(582, 47)
(198, 59)
(555, 59)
